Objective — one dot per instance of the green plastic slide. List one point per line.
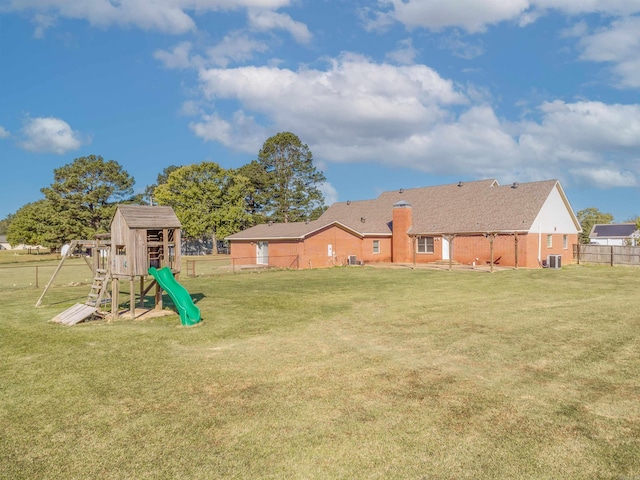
(189, 312)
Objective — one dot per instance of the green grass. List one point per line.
(335, 373)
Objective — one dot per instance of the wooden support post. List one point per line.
(141, 292)
(115, 297)
(158, 297)
(414, 248)
(132, 298)
(491, 237)
(166, 261)
(95, 257)
(612, 256)
(68, 253)
(515, 242)
(450, 238)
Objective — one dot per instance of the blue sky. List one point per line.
(387, 94)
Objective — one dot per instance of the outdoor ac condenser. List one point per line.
(554, 261)
(353, 260)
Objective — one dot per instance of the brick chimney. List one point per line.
(401, 242)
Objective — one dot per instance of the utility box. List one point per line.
(554, 261)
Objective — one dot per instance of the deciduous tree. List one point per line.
(36, 224)
(208, 200)
(588, 218)
(163, 176)
(4, 224)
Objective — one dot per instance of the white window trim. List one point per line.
(376, 247)
(426, 252)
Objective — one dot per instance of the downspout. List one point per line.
(539, 245)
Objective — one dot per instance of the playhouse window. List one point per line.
(376, 246)
(121, 250)
(425, 245)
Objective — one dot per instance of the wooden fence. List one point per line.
(606, 255)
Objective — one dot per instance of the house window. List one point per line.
(425, 245)
(376, 246)
(549, 241)
(565, 241)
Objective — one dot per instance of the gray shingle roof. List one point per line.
(142, 216)
(291, 230)
(466, 207)
(614, 230)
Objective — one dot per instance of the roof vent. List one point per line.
(306, 221)
(348, 202)
(401, 190)
(514, 185)
(270, 223)
(460, 183)
(362, 219)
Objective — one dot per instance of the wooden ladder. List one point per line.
(99, 287)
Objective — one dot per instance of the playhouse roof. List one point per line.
(143, 216)
(465, 207)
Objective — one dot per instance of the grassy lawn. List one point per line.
(336, 373)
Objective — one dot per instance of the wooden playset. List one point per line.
(143, 240)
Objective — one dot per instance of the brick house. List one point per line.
(614, 234)
(467, 222)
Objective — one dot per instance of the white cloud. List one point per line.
(42, 22)
(618, 44)
(353, 95)
(459, 47)
(472, 15)
(235, 47)
(49, 135)
(577, 7)
(178, 57)
(265, 20)
(4, 133)
(596, 142)
(475, 16)
(405, 53)
(169, 16)
(606, 177)
(329, 192)
(241, 133)
(191, 108)
(409, 116)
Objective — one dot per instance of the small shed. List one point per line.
(144, 237)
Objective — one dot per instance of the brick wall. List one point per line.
(314, 251)
(402, 244)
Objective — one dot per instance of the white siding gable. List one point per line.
(555, 216)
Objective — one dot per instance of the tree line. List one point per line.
(281, 185)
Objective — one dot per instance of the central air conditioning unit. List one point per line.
(353, 260)
(554, 261)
